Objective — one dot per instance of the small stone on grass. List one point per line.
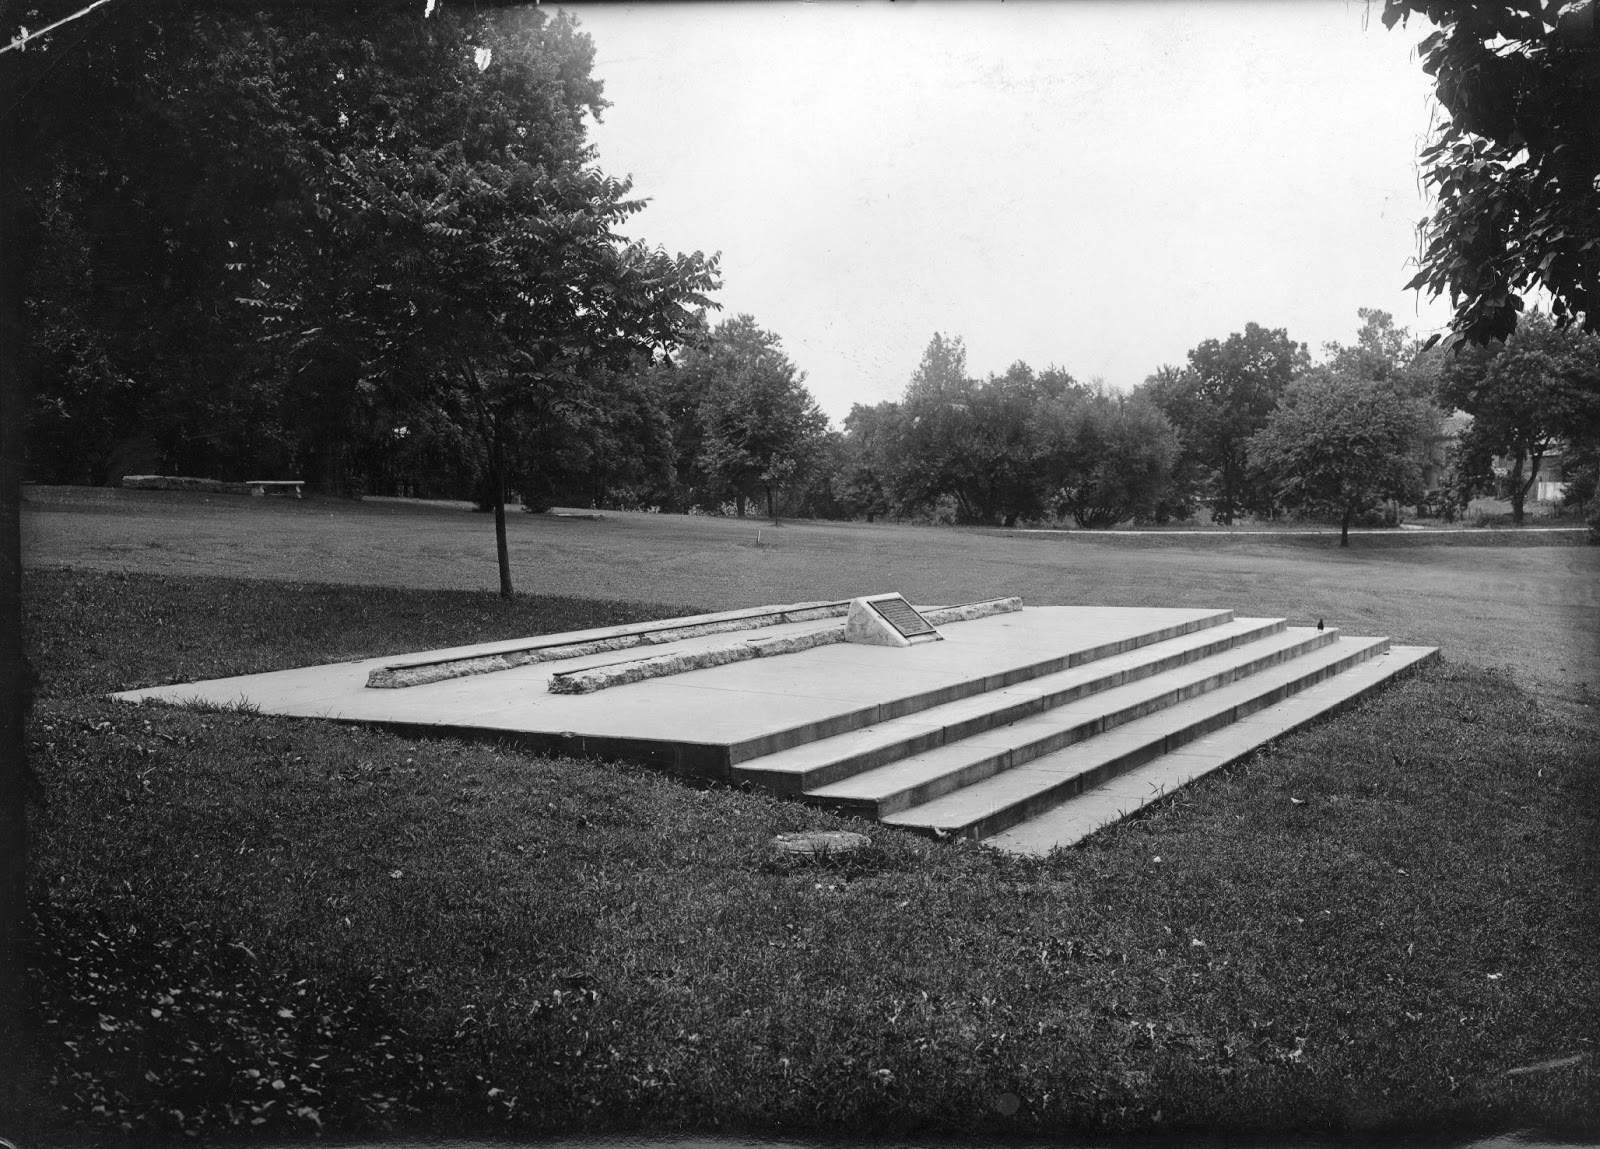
(816, 842)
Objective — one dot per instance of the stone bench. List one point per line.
(260, 487)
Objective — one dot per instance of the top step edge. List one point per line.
(890, 709)
(801, 757)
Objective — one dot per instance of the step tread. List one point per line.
(967, 806)
(1074, 820)
(893, 778)
(812, 756)
(1044, 658)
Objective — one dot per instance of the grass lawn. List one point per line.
(570, 946)
(253, 925)
(1530, 602)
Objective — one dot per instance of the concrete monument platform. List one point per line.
(1009, 720)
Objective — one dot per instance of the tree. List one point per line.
(1515, 166)
(972, 441)
(1526, 395)
(1381, 351)
(477, 271)
(1222, 398)
(760, 427)
(866, 480)
(1340, 445)
(1107, 458)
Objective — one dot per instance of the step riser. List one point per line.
(788, 783)
(903, 707)
(1007, 715)
(989, 766)
(1071, 787)
(1094, 815)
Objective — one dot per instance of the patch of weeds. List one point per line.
(240, 705)
(848, 865)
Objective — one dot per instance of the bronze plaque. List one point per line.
(898, 613)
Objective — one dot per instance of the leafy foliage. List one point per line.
(295, 229)
(1220, 400)
(1339, 444)
(973, 441)
(1109, 457)
(1527, 395)
(1515, 168)
(759, 428)
(864, 481)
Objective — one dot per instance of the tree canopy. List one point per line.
(974, 442)
(1514, 167)
(1339, 444)
(1528, 395)
(1220, 399)
(1107, 458)
(760, 429)
(298, 231)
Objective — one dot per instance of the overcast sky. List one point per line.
(1093, 185)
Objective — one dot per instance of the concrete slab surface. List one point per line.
(711, 709)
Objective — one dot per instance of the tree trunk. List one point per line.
(1534, 459)
(328, 465)
(501, 551)
(738, 501)
(771, 514)
(1518, 490)
(1344, 528)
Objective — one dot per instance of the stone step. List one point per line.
(941, 770)
(1094, 809)
(915, 702)
(820, 763)
(1010, 796)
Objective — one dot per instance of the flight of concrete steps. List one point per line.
(1049, 755)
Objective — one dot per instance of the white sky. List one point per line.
(1098, 186)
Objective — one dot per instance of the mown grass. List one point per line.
(1485, 597)
(1362, 929)
(91, 632)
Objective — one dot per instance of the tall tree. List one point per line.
(1339, 444)
(482, 260)
(866, 479)
(1381, 350)
(1107, 457)
(1222, 398)
(1527, 395)
(760, 426)
(973, 441)
(1514, 165)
